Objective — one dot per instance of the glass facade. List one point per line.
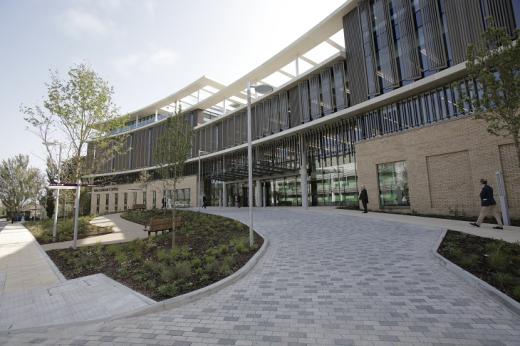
(107, 200)
(154, 199)
(183, 197)
(98, 200)
(125, 201)
(393, 184)
(144, 199)
(116, 202)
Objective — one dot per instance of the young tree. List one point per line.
(78, 110)
(170, 155)
(494, 63)
(19, 184)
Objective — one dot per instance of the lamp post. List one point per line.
(262, 89)
(57, 203)
(199, 197)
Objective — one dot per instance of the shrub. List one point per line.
(196, 262)
(168, 290)
(167, 273)
(516, 292)
(182, 269)
(242, 246)
(503, 280)
(469, 261)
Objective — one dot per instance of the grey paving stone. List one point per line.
(326, 279)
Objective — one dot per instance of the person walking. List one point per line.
(237, 200)
(204, 202)
(488, 206)
(363, 197)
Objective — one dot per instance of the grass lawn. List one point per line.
(42, 230)
(495, 261)
(207, 249)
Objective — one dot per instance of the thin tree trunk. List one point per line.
(173, 213)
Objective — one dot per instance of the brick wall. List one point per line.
(445, 163)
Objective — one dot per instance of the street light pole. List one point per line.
(198, 185)
(57, 203)
(262, 89)
(249, 165)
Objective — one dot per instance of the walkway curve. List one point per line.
(327, 279)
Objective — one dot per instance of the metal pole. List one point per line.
(198, 185)
(250, 165)
(503, 198)
(57, 204)
(76, 214)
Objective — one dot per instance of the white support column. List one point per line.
(264, 194)
(258, 194)
(303, 173)
(136, 120)
(224, 195)
(297, 65)
(156, 115)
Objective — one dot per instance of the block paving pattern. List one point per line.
(326, 279)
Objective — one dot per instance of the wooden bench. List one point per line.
(139, 207)
(161, 225)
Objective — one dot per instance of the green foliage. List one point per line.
(168, 290)
(516, 293)
(242, 246)
(182, 270)
(494, 63)
(78, 109)
(49, 204)
(20, 185)
(42, 230)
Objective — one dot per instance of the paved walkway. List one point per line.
(34, 293)
(124, 231)
(84, 299)
(328, 278)
(23, 264)
(509, 233)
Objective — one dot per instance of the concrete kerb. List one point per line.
(165, 304)
(474, 281)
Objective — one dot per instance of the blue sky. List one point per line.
(145, 49)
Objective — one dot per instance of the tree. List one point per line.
(494, 63)
(48, 201)
(170, 155)
(76, 111)
(19, 184)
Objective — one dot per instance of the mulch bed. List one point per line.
(207, 249)
(495, 261)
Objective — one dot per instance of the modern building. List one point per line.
(369, 96)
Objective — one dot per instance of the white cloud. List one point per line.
(155, 61)
(163, 57)
(150, 7)
(78, 23)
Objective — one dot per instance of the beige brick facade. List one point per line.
(445, 163)
(136, 193)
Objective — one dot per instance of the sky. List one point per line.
(146, 49)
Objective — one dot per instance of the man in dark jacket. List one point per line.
(488, 206)
(363, 197)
